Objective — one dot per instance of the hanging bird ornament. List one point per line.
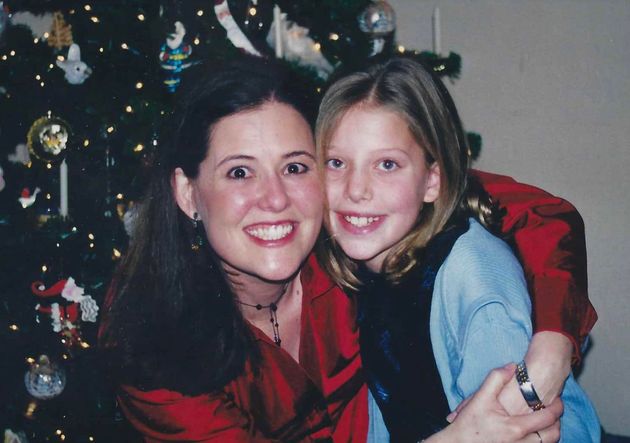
(76, 70)
(174, 55)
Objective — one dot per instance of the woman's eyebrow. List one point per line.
(298, 154)
(235, 157)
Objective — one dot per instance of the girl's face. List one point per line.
(258, 192)
(377, 180)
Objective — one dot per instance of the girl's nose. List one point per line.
(358, 186)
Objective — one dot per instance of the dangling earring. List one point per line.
(198, 240)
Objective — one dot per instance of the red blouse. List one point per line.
(322, 398)
(548, 233)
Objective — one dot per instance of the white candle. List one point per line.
(63, 189)
(437, 37)
(277, 19)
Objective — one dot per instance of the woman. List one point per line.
(441, 301)
(221, 324)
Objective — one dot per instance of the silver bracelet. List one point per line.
(527, 388)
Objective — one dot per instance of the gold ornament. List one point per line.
(60, 32)
(48, 137)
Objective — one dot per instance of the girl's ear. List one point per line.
(432, 191)
(183, 190)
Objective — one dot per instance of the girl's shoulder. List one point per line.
(478, 246)
(480, 268)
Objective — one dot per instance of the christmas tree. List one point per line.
(84, 91)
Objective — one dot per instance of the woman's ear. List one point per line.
(183, 190)
(432, 191)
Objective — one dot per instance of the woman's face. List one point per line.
(377, 180)
(258, 192)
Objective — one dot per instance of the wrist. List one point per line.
(548, 362)
(527, 387)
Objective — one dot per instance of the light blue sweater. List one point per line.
(480, 320)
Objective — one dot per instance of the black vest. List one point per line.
(396, 345)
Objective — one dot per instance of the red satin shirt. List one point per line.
(548, 234)
(323, 398)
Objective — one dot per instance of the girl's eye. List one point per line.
(388, 165)
(334, 163)
(296, 168)
(239, 173)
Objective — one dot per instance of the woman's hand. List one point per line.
(548, 361)
(484, 420)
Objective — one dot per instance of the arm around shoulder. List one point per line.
(548, 235)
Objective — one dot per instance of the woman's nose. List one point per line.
(274, 195)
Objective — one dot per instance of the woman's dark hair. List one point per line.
(171, 320)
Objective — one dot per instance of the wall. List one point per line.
(547, 85)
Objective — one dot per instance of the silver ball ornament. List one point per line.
(45, 379)
(378, 19)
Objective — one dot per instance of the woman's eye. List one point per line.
(296, 168)
(238, 173)
(334, 163)
(388, 165)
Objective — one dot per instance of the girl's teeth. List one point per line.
(360, 221)
(275, 232)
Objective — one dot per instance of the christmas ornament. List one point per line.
(38, 24)
(378, 19)
(4, 18)
(174, 56)
(76, 70)
(47, 139)
(234, 33)
(27, 199)
(21, 155)
(60, 34)
(297, 46)
(45, 379)
(71, 304)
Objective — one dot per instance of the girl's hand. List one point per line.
(484, 420)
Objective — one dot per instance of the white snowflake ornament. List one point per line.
(76, 70)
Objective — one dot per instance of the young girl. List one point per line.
(441, 300)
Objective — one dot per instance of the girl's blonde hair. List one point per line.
(414, 93)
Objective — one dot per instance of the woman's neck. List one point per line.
(252, 291)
